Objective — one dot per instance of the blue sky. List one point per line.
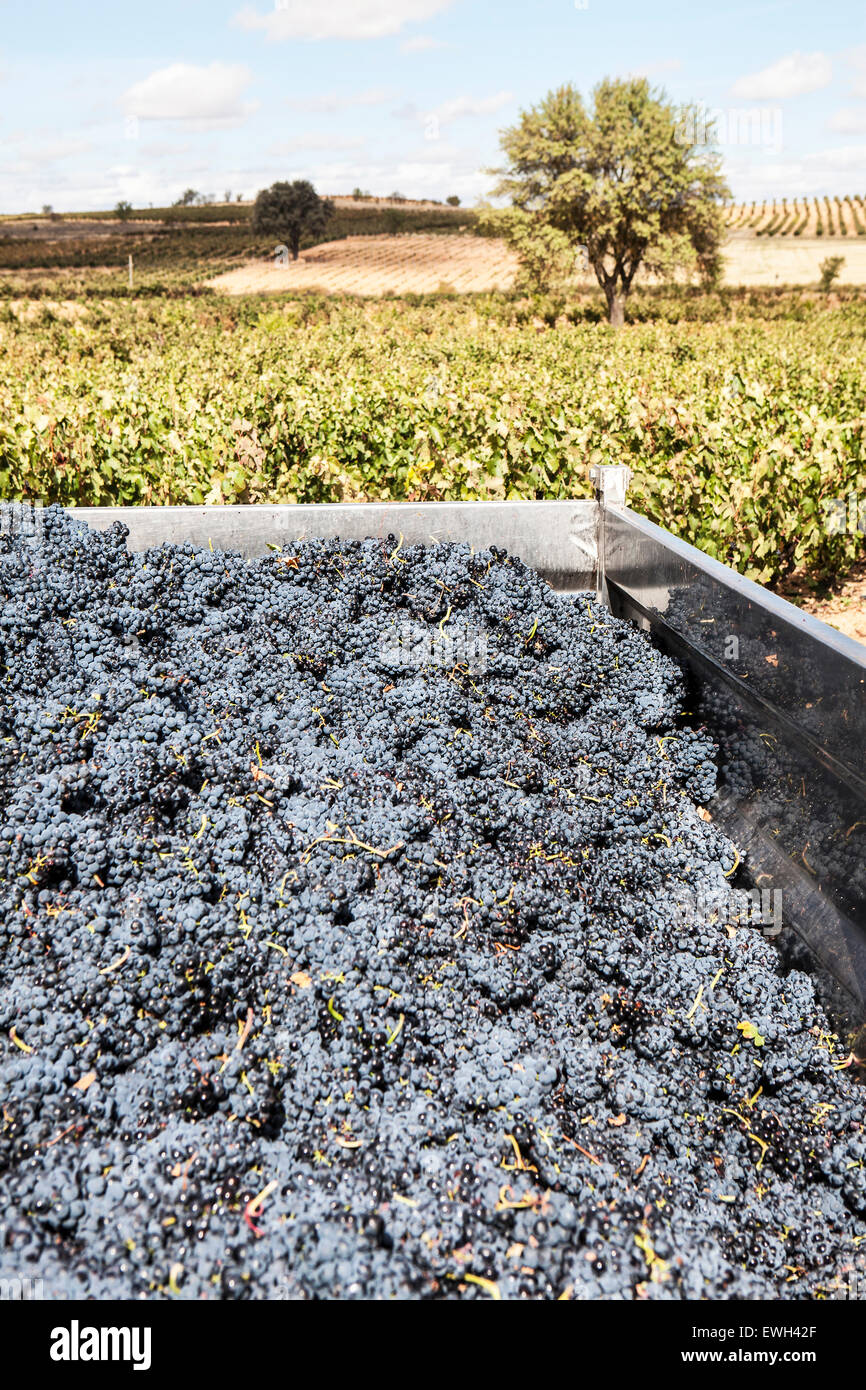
(101, 101)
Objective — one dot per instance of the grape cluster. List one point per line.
(332, 970)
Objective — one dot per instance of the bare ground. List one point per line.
(415, 263)
(844, 608)
(751, 260)
(422, 263)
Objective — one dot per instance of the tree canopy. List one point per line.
(291, 211)
(623, 183)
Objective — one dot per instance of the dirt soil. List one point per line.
(415, 263)
(844, 609)
(421, 263)
(751, 260)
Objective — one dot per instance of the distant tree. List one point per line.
(239, 197)
(47, 209)
(291, 211)
(453, 201)
(626, 180)
(187, 198)
(123, 209)
(227, 196)
(830, 270)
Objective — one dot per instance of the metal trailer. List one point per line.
(783, 694)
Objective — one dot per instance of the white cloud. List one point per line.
(337, 19)
(857, 56)
(422, 43)
(822, 172)
(208, 97)
(339, 101)
(661, 68)
(792, 76)
(315, 140)
(166, 149)
(35, 153)
(850, 120)
(460, 107)
(847, 159)
(434, 174)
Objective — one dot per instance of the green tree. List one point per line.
(453, 201)
(291, 211)
(630, 179)
(829, 269)
(547, 259)
(123, 209)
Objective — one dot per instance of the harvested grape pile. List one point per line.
(342, 951)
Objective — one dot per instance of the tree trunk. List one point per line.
(295, 245)
(615, 291)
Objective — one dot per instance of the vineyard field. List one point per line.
(373, 247)
(186, 245)
(800, 217)
(741, 433)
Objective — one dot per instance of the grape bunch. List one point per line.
(336, 964)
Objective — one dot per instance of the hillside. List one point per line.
(182, 245)
(376, 246)
(800, 217)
